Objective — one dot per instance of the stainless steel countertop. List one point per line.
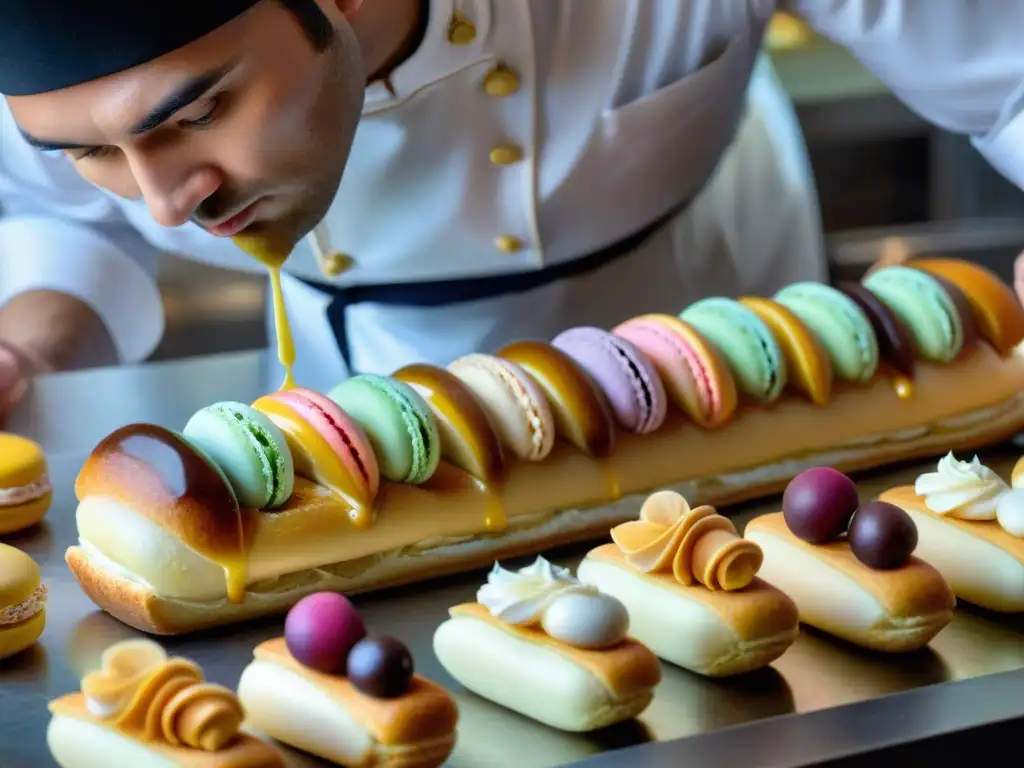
(816, 674)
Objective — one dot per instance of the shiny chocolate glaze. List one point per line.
(895, 342)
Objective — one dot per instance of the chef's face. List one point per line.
(249, 127)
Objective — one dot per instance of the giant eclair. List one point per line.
(389, 480)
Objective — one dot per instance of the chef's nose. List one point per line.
(172, 192)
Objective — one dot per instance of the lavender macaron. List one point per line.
(628, 379)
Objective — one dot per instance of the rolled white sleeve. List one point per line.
(59, 233)
(957, 63)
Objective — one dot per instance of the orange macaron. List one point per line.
(25, 491)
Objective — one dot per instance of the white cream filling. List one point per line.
(25, 610)
(22, 494)
(542, 525)
(78, 743)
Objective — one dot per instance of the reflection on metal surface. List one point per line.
(818, 672)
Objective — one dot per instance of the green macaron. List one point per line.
(398, 423)
(920, 301)
(747, 344)
(250, 450)
(840, 325)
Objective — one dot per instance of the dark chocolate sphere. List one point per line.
(321, 630)
(818, 504)
(380, 667)
(882, 535)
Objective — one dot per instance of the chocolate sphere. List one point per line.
(882, 535)
(380, 667)
(321, 630)
(818, 504)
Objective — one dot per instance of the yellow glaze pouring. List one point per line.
(273, 256)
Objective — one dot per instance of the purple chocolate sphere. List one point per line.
(819, 503)
(882, 535)
(321, 629)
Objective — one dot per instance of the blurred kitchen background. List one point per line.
(888, 183)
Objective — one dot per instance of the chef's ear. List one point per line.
(348, 6)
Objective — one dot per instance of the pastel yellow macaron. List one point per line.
(22, 601)
(25, 491)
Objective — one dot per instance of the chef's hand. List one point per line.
(44, 331)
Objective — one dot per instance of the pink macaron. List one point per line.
(629, 380)
(695, 375)
(349, 466)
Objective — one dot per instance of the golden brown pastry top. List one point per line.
(155, 472)
(757, 611)
(698, 546)
(913, 589)
(626, 669)
(425, 711)
(987, 530)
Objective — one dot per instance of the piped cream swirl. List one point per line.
(698, 545)
(967, 490)
(154, 697)
(567, 610)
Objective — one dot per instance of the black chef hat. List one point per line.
(50, 44)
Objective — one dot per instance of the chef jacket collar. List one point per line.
(437, 57)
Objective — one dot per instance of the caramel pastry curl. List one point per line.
(143, 709)
(690, 584)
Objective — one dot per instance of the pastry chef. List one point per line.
(510, 168)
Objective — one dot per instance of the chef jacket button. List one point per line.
(509, 244)
(501, 82)
(337, 263)
(506, 154)
(460, 30)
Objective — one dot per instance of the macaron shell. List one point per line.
(515, 404)
(22, 516)
(969, 331)
(22, 461)
(748, 345)
(20, 576)
(918, 299)
(468, 440)
(996, 309)
(895, 342)
(807, 362)
(250, 450)
(22, 636)
(582, 415)
(397, 422)
(629, 380)
(842, 328)
(694, 373)
(321, 454)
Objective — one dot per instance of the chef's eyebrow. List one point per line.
(187, 93)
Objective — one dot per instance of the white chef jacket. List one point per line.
(622, 111)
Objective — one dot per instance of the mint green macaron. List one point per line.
(840, 325)
(250, 450)
(398, 423)
(747, 344)
(920, 301)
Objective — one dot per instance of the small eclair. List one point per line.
(689, 582)
(145, 710)
(971, 526)
(541, 643)
(352, 699)
(849, 567)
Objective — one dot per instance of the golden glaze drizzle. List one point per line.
(157, 698)
(904, 387)
(273, 256)
(314, 460)
(699, 545)
(467, 439)
(583, 417)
